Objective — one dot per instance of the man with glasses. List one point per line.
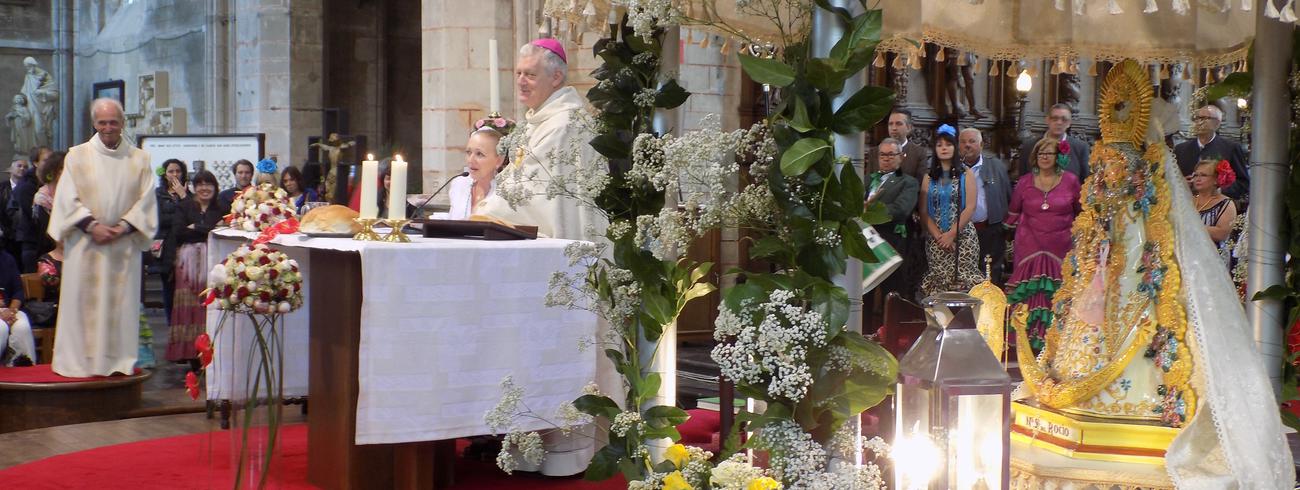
(1207, 145)
(898, 191)
(914, 158)
(1058, 124)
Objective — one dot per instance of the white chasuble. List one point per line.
(99, 314)
(550, 131)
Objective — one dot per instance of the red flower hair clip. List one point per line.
(1225, 173)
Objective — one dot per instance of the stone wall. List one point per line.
(124, 40)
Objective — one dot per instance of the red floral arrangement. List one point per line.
(1225, 173)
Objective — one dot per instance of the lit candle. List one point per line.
(494, 78)
(369, 188)
(397, 189)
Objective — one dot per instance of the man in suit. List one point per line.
(898, 191)
(1058, 123)
(915, 158)
(243, 172)
(993, 196)
(17, 175)
(1207, 145)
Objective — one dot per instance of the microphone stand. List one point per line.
(435, 193)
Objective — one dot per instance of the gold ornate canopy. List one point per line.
(1204, 33)
(577, 16)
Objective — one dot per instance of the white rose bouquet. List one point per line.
(255, 279)
(260, 207)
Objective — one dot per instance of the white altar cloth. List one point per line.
(442, 322)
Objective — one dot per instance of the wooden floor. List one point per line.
(30, 445)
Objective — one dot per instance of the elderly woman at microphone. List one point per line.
(483, 162)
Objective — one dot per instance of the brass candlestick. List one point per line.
(396, 235)
(367, 233)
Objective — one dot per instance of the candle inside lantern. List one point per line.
(397, 189)
(494, 78)
(369, 187)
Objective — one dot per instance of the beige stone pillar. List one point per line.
(277, 73)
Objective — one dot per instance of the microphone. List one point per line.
(444, 186)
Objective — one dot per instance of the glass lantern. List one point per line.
(953, 405)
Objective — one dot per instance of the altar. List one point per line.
(399, 345)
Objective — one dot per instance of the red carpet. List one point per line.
(41, 373)
(201, 461)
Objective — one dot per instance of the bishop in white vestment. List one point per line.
(540, 77)
(105, 214)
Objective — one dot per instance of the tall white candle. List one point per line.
(397, 189)
(494, 77)
(369, 187)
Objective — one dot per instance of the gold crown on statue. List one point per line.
(1125, 104)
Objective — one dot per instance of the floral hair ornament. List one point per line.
(1062, 153)
(948, 130)
(550, 44)
(499, 124)
(267, 166)
(1226, 175)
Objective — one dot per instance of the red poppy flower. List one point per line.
(192, 385)
(1063, 147)
(203, 344)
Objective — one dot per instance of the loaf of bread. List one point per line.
(330, 219)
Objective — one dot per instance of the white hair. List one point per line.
(978, 136)
(550, 61)
(112, 103)
(1214, 111)
(889, 141)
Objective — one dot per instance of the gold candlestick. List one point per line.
(367, 233)
(396, 235)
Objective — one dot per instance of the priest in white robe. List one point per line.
(540, 75)
(104, 212)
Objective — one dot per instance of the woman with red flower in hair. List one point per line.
(1217, 211)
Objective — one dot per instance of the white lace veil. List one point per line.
(1235, 439)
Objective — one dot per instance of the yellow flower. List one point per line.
(677, 454)
(764, 483)
(675, 481)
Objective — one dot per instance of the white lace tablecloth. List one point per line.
(442, 322)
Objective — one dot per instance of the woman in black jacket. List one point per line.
(171, 191)
(194, 219)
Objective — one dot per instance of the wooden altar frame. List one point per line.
(334, 460)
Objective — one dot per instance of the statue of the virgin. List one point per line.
(1147, 331)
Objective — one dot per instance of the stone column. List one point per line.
(277, 73)
(454, 78)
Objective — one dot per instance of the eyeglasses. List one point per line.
(1046, 153)
(889, 154)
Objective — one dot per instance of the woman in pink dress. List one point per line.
(1043, 206)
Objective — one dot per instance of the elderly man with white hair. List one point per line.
(541, 75)
(1208, 145)
(105, 215)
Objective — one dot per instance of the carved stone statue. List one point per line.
(960, 84)
(1068, 91)
(22, 131)
(41, 93)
